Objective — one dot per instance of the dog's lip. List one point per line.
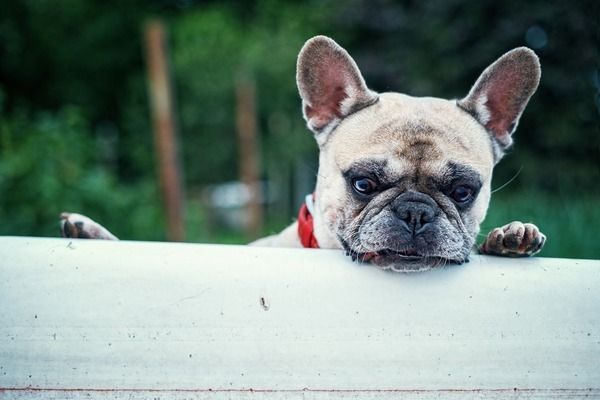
(409, 254)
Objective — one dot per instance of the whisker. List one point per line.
(509, 181)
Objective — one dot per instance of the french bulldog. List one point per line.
(403, 182)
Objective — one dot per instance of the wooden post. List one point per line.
(248, 144)
(164, 128)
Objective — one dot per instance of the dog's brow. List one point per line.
(369, 166)
(457, 172)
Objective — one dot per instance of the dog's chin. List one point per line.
(405, 261)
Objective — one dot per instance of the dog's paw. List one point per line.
(516, 239)
(79, 226)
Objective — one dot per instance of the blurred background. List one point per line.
(85, 116)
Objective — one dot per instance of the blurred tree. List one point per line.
(84, 53)
(210, 47)
(48, 164)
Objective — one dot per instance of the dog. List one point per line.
(403, 182)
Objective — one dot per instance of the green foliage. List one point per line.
(211, 50)
(49, 164)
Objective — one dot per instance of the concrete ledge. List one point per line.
(138, 320)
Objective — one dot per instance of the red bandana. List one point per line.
(306, 230)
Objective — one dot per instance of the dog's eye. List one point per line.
(462, 194)
(364, 185)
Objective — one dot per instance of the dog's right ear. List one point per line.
(330, 85)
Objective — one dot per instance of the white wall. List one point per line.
(136, 320)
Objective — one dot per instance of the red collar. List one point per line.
(306, 229)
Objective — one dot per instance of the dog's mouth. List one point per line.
(404, 260)
(406, 254)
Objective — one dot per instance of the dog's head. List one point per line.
(404, 182)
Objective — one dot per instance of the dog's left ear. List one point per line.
(330, 85)
(501, 93)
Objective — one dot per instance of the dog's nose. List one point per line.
(416, 215)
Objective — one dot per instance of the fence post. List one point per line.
(248, 144)
(165, 140)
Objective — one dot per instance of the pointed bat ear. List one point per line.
(330, 85)
(501, 93)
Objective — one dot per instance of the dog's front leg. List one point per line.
(516, 239)
(79, 226)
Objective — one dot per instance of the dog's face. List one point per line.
(404, 182)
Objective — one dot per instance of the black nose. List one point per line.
(416, 215)
(415, 210)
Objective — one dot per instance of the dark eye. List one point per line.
(364, 185)
(462, 194)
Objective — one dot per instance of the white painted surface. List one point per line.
(98, 319)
